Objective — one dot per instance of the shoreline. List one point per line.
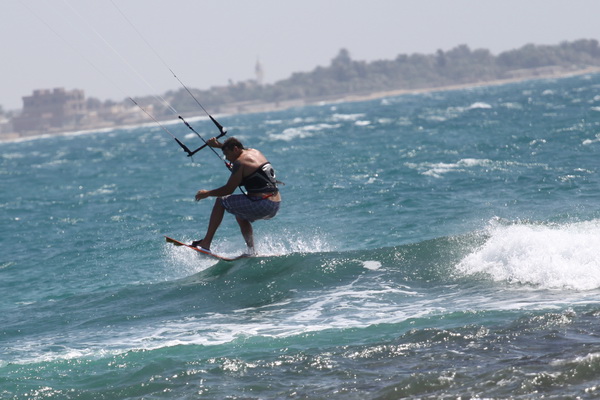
(256, 108)
(496, 82)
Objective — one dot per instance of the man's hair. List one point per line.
(232, 142)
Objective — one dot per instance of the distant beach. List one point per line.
(527, 75)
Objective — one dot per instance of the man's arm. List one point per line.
(233, 182)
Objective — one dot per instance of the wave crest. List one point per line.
(556, 256)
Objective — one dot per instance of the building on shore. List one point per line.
(50, 110)
(58, 110)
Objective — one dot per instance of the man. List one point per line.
(253, 171)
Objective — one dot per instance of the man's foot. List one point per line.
(250, 252)
(198, 243)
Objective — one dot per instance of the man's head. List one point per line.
(232, 148)
(232, 142)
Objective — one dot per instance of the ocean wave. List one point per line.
(541, 255)
(550, 256)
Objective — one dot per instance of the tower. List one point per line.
(260, 74)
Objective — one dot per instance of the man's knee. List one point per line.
(218, 203)
(241, 220)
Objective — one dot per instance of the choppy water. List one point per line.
(429, 245)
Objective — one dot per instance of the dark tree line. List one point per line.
(346, 76)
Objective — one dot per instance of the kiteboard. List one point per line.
(204, 251)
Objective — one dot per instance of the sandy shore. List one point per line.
(549, 75)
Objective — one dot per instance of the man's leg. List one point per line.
(216, 217)
(247, 233)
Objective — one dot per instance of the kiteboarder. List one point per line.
(262, 199)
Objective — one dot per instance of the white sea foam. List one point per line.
(588, 358)
(513, 106)
(301, 132)
(479, 105)
(547, 256)
(590, 141)
(347, 306)
(12, 156)
(372, 265)
(185, 262)
(436, 170)
(291, 242)
(346, 117)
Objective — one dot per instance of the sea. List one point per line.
(437, 245)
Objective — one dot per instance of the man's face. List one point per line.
(231, 154)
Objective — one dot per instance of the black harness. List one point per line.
(262, 180)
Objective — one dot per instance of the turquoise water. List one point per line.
(429, 245)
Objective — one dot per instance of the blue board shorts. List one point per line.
(248, 208)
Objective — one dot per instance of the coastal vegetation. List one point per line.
(345, 76)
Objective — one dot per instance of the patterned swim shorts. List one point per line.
(250, 209)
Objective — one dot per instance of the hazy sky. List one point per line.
(87, 44)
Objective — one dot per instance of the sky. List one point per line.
(113, 49)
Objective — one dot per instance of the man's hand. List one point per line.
(202, 194)
(213, 142)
